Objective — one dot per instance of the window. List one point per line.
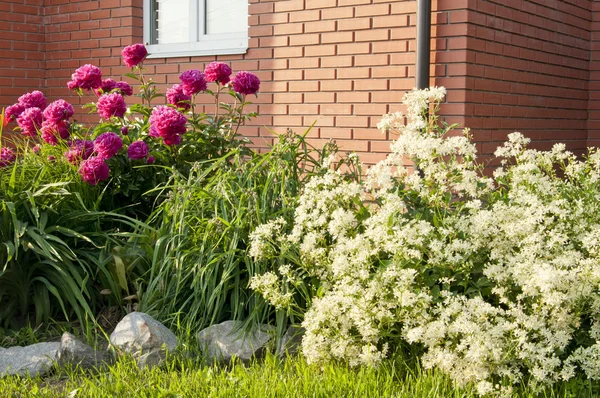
(175, 28)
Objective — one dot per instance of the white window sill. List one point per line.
(208, 46)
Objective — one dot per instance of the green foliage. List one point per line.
(200, 266)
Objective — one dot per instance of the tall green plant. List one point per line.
(200, 266)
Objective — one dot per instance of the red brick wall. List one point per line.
(528, 70)
(508, 64)
(594, 85)
(22, 66)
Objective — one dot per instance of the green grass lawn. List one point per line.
(269, 378)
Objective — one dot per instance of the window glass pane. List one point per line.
(172, 21)
(226, 16)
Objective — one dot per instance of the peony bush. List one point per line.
(493, 279)
(132, 136)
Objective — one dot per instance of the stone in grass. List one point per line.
(226, 340)
(144, 338)
(290, 342)
(33, 359)
(77, 353)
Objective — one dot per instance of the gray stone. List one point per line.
(226, 340)
(33, 359)
(77, 353)
(139, 334)
(291, 341)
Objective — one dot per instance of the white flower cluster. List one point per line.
(498, 278)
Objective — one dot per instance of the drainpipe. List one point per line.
(423, 42)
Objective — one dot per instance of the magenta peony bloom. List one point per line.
(218, 72)
(167, 123)
(13, 111)
(176, 96)
(124, 88)
(107, 145)
(52, 132)
(192, 82)
(106, 87)
(245, 83)
(30, 121)
(35, 99)
(137, 150)
(86, 77)
(79, 150)
(71, 85)
(134, 54)
(58, 111)
(151, 160)
(93, 170)
(124, 130)
(7, 157)
(111, 105)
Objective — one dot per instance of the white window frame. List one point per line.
(200, 43)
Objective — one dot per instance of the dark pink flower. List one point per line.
(7, 157)
(106, 87)
(107, 145)
(137, 150)
(93, 170)
(217, 72)
(79, 150)
(245, 83)
(13, 111)
(51, 158)
(52, 132)
(167, 123)
(124, 130)
(192, 82)
(58, 111)
(124, 88)
(34, 99)
(176, 96)
(71, 85)
(111, 105)
(86, 77)
(150, 160)
(30, 120)
(134, 54)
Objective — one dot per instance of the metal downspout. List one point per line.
(423, 43)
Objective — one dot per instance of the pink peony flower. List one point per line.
(137, 150)
(245, 83)
(93, 170)
(124, 88)
(106, 87)
(79, 150)
(13, 111)
(86, 77)
(111, 105)
(150, 160)
(218, 72)
(52, 132)
(35, 99)
(58, 111)
(30, 121)
(176, 96)
(7, 157)
(167, 123)
(134, 54)
(192, 82)
(107, 145)
(71, 85)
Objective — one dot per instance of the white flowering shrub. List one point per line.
(493, 278)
